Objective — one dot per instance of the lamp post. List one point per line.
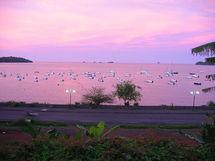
(70, 91)
(194, 93)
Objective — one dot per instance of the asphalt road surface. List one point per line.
(110, 116)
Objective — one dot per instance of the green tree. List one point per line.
(210, 60)
(127, 91)
(96, 96)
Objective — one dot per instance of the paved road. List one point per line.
(110, 116)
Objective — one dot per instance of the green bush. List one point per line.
(54, 146)
(96, 96)
(116, 149)
(209, 129)
(94, 132)
(211, 104)
(15, 104)
(209, 133)
(127, 91)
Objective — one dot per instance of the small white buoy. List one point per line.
(149, 81)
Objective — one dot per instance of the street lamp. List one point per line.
(194, 93)
(70, 91)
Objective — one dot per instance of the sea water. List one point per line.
(45, 82)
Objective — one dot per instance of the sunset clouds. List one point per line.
(111, 26)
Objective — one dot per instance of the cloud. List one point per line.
(105, 24)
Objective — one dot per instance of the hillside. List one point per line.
(14, 60)
(208, 61)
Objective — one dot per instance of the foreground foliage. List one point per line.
(94, 145)
(44, 148)
(94, 132)
(209, 129)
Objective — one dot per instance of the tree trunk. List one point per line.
(127, 103)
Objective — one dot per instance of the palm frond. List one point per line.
(205, 50)
(110, 130)
(210, 77)
(207, 90)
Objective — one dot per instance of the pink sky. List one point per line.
(106, 30)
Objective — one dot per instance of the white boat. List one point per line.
(174, 72)
(149, 81)
(159, 77)
(168, 74)
(188, 77)
(101, 79)
(143, 72)
(127, 75)
(119, 80)
(171, 83)
(73, 78)
(197, 83)
(195, 76)
(173, 80)
(111, 73)
(19, 78)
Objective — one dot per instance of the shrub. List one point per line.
(209, 133)
(115, 149)
(96, 96)
(211, 104)
(136, 104)
(15, 104)
(127, 91)
(30, 129)
(209, 129)
(94, 132)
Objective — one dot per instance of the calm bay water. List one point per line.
(47, 82)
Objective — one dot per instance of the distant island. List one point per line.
(12, 59)
(110, 62)
(208, 61)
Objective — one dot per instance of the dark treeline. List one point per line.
(14, 60)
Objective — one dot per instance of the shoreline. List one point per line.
(91, 62)
(14, 104)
